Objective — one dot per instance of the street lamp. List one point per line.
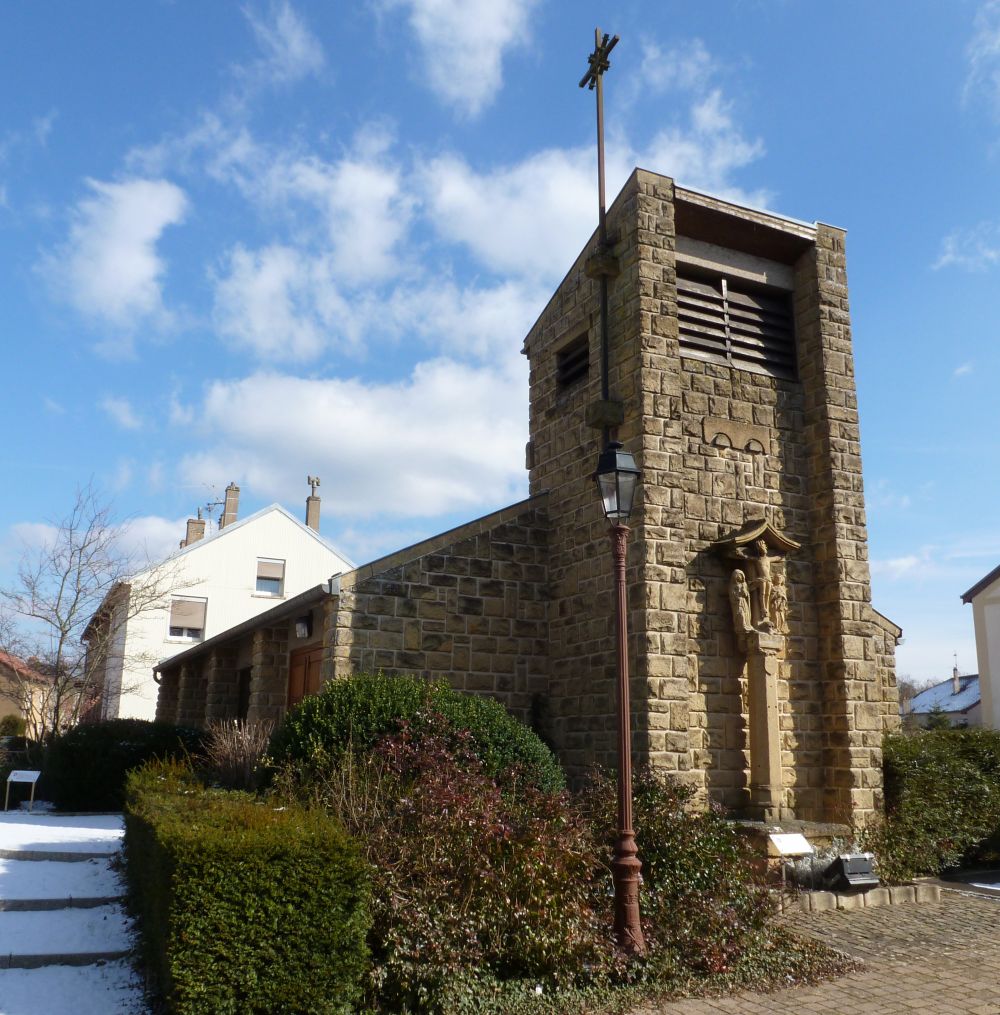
(617, 477)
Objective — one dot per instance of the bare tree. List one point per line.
(66, 612)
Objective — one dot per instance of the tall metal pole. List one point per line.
(594, 78)
(625, 865)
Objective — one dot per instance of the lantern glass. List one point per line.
(617, 477)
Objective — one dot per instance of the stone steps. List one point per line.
(60, 899)
(68, 936)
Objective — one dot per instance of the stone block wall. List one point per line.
(469, 607)
(223, 684)
(269, 673)
(562, 456)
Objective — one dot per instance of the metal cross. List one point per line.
(598, 61)
(313, 481)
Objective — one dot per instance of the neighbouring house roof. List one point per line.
(18, 665)
(983, 583)
(107, 603)
(233, 526)
(942, 696)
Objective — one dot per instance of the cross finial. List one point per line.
(313, 481)
(598, 60)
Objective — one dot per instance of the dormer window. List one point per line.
(270, 576)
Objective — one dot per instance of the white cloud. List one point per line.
(150, 538)
(448, 438)
(983, 55)
(897, 567)
(109, 268)
(359, 201)
(687, 66)
(121, 412)
(121, 478)
(463, 43)
(975, 249)
(962, 369)
(707, 152)
(51, 405)
(485, 324)
(267, 302)
(291, 51)
(883, 497)
(530, 218)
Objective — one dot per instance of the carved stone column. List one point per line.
(765, 732)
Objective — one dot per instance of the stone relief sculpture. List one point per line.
(739, 600)
(761, 586)
(779, 604)
(758, 594)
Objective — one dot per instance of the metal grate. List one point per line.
(573, 361)
(750, 330)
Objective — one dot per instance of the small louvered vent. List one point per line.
(749, 330)
(573, 361)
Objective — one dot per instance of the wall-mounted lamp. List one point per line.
(304, 626)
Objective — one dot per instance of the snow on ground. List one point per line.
(85, 833)
(52, 879)
(109, 989)
(65, 931)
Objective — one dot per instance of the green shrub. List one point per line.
(942, 801)
(466, 877)
(85, 768)
(357, 711)
(12, 726)
(244, 909)
(705, 908)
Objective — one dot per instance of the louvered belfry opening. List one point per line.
(728, 322)
(573, 361)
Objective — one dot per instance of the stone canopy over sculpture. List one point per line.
(757, 591)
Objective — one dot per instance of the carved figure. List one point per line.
(779, 604)
(761, 585)
(739, 600)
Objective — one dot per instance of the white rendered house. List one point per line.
(210, 585)
(985, 599)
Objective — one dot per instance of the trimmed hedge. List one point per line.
(356, 712)
(85, 768)
(244, 909)
(942, 801)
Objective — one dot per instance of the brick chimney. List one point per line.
(231, 506)
(195, 530)
(956, 680)
(312, 504)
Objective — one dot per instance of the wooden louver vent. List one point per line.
(573, 361)
(749, 330)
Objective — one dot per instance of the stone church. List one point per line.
(760, 671)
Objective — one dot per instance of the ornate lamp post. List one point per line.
(617, 477)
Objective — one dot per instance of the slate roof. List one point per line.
(943, 696)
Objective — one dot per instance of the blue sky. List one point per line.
(254, 242)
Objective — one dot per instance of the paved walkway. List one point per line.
(937, 958)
